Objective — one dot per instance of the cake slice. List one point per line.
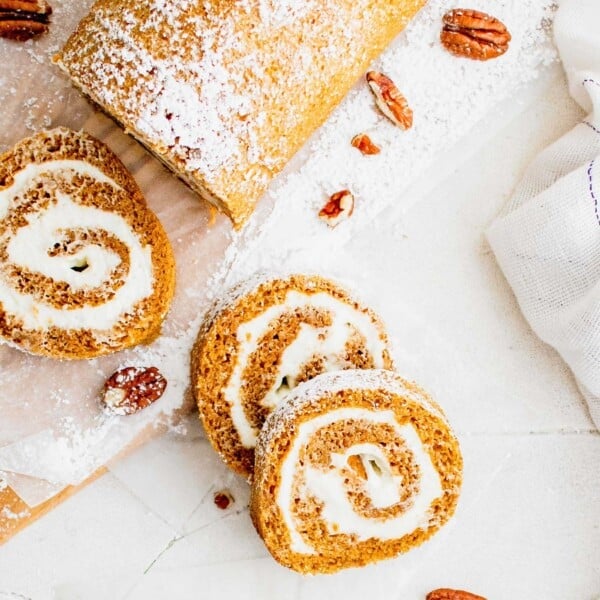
(86, 268)
(224, 92)
(266, 338)
(353, 467)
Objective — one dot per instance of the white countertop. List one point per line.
(528, 525)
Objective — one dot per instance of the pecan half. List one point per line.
(364, 143)
(131, 389)
(473, 34)
(447, 594)
(339, 207)
(389, 100)
(23, 19)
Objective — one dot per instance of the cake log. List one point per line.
(264, 340)
(224, 92)
(352, 468)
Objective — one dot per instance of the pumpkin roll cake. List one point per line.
(86, 268)
(265, 339)
(224, 92)
(353, 467)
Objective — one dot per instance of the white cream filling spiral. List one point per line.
(325, 341)
(382, 486)
(29, 249)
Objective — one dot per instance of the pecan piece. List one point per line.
(364, 143)
(223, 499)
(447, 594)
(131, 389)
(389, 100)
(339, 207)
(473, 34)
(23, 19)
(356, 464)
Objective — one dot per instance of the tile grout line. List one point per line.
(197, 507)
(239, 511)
(165, 549)
(172, 541)
(178, 535)
(141, 501)
(137, 581)
(174, 569)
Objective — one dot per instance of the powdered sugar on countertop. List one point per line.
(30, 88)
(448, 95)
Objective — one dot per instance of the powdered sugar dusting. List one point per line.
(7, 513)
(178, 100)
(311, 393)
(224, 101)
(79, 437)
(278, 13)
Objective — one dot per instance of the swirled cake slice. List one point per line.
(264, 341)
(353, 467)
(86, 268)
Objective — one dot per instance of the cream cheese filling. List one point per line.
(29, 249)
(328, 486)
(23, 178)
(326, 341)
(381, 485)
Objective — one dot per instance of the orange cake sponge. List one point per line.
(266, 339)
(86, 268)
(352, 468)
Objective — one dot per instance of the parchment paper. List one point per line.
(52, 431)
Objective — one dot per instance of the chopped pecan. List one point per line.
(448, 594)
(389, 100)
(223, 499)
(131, 389)
(473, 34)
(339, 207)
(23, 19)
(364, 143)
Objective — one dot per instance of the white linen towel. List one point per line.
(547, 238)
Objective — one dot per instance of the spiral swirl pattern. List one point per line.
(78, 273)
(353, 467)
(265, 343)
